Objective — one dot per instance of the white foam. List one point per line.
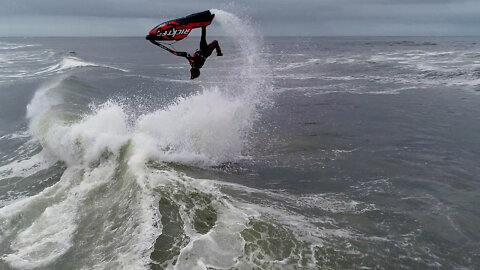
(18, 135)
(340, 60)
(206, 128)
(18, 64)
(41, 105)
(218, 248)
(86, 141)
(210, 126)
(32, 206)
(81, 142)
(309, 62)
(223, 246)
(27, 167)
(51, 234)
(14, 46)
(70, 62)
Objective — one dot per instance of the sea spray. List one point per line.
(203, 129)
(212, 126)
(108, 197)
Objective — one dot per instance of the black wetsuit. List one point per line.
(199, 57)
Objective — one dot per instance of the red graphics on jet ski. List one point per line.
(178, 29)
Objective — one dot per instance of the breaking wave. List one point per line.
(35, 63)
(121, 202)
(70, 62)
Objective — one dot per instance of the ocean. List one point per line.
(286, 153)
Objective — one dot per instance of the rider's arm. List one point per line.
(204, 35)
(182, 54)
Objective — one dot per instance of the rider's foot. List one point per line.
(219, 54)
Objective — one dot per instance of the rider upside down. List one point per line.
(197, 60)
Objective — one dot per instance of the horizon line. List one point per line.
(307, 36)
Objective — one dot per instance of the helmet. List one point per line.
(194, 72)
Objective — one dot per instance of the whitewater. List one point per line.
(280, 156)
(103, 213)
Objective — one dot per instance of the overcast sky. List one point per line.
(273, 17)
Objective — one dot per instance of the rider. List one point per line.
(198, 59)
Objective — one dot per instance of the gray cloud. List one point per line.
(306, 17)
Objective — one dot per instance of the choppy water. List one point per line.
(287, 153)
